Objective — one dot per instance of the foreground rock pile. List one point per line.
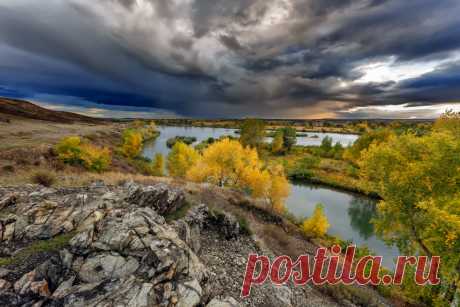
(111, 246)
(122, 252)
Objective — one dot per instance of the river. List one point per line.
(349, 214)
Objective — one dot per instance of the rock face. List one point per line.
(121, 252)
(162, 198)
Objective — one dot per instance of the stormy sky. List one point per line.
(233, 58)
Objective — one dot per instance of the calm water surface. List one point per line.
(159, 145)
(348, 214)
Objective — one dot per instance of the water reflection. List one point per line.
(361, 212)
(350, 215)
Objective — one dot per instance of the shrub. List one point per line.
(188, 140)
(69, 150)
(72, 150)
(8, 168)
(326, 144)
(277, 143)
(304, 167)
(244, 225)
(46, 179)
(317, 225)
(95, 158)
(132, 143)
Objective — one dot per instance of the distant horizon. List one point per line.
(58, 107)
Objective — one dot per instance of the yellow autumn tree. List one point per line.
(131, 143)
(279, 188)
(418, 179)
(316, 225)
(95, 158)
(158, 165)
(73, 150)
(69, 150)
(227, 163)
(181, 158)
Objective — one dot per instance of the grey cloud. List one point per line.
(228, 58)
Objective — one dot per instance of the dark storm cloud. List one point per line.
(233, 58)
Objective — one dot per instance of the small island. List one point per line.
(188, 140)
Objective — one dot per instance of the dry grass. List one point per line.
(26, 133)
(46, 179)
(76, 177)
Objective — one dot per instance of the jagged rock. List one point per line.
(160, 197)
(107, 266)
(63, 289)
(8, 200)
(190, 293)
(10, 299)
(42, 192)
(280, 296)
(4, 272)
(40, 288)
(189, 233)
(51, 271)
(227, 224)
(22, 286)
(198, 218)
(4, 285)
(226, 302)
(66, 258)
(198, 215)
(123, 253)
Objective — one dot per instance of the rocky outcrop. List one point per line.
(120, 250)
(162, 198)
(123, 252)
(200, 217)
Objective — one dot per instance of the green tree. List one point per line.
(289, 137)
(353, 153)
(277, 143)
(326, 144)
(180, 159)
(419, 180)
(252, 132)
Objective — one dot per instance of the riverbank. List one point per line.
(335, 185)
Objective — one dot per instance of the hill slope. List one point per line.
(24, 109)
